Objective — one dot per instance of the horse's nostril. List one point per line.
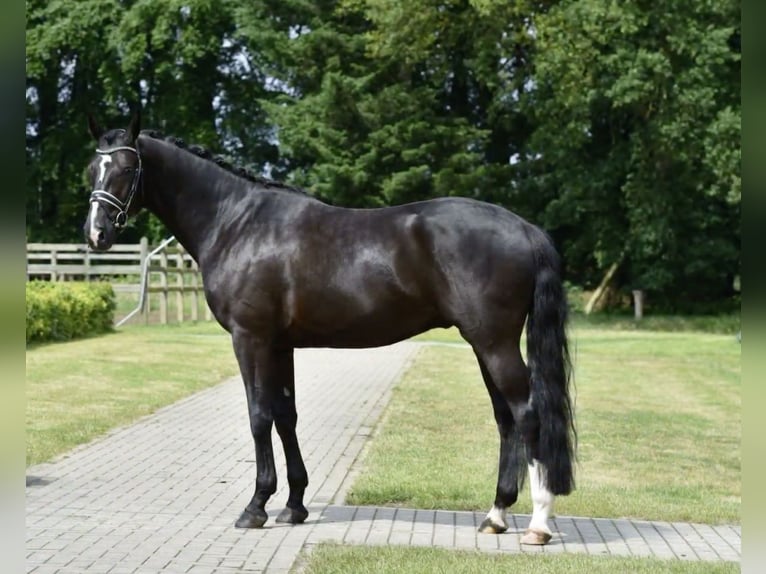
(100, 235)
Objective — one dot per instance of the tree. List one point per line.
(638, 115)
(179, 60)
(374, 111)
(65, 50)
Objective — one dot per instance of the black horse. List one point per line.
(283, 270)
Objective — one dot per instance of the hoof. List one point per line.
(489, 527)
(252, 518)
(536, 537)
(293, 515)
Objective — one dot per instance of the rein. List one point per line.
(103, 197)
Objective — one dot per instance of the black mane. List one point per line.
(204, 153)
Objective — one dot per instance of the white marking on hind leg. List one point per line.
(495, 522)
(497, 516)
(542, 507)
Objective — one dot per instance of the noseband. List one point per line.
(103, 197)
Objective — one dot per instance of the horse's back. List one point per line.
(467, 224)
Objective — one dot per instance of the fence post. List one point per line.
(194, 289)
(143, 254)
(180, 284)
(86, 262)
(164, 287)
(54, 261)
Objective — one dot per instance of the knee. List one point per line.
(283, 405)
(260, 424)
(285, 420)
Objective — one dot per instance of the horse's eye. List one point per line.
(127, 170)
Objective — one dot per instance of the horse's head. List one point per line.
(114, 174)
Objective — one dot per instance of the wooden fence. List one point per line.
(174, 282)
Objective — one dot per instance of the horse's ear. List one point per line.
(94, 128)
(135, 125)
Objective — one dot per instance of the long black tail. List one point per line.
(550, 366)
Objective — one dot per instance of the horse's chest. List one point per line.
(247, 298)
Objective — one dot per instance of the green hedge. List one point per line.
(62, 311)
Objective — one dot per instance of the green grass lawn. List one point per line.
(336, 559)
(80, 389)
(724, 323)
(658, 416)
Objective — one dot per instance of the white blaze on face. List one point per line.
(105, 160)
(93, 230)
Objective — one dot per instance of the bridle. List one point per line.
(103, 197)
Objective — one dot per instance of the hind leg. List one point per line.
(528, 422)
(537, 532)
(510, 392)
(285, 420)
(510, 473)
(256, 362)
(507, 380)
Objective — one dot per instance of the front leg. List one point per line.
(258, 367)
(285, 419)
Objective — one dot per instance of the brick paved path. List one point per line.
(162, 495)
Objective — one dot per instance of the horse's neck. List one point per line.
(187, 202)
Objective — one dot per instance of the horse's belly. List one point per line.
(374, 330)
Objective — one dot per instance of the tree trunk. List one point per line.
(599, 292)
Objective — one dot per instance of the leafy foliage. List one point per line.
(179, 60)
(638, 121)
(67, 310)
(615, 125)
